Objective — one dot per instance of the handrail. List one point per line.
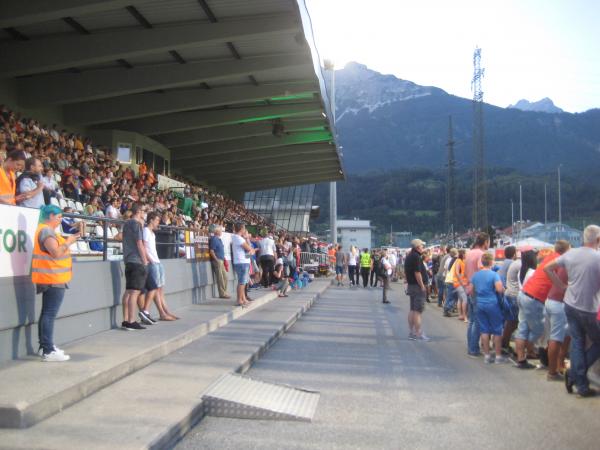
(104, 221)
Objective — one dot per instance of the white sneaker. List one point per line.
(55, 357)
(501, 360)
(488, 359)
(56, 349)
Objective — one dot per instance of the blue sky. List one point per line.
(530, 48)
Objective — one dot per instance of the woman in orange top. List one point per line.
(459, 281)
(51, 272)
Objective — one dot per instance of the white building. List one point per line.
(354, 232)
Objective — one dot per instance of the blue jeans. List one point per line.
(51, 300)
(473, 333)
(441, 286)
(581, 325)
(450, 298)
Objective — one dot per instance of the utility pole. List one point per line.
(479, 183)
(451, 184)
(332, 185)
(559, 200)
(545, 204)
(520, 209)
(512, 220)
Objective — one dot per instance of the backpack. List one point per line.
(381, 270)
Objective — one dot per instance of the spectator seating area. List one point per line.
(86, 178)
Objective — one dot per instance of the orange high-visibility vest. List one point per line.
(44, 268)
(458, 273)
(7, 186)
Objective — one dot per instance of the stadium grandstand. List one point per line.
(182, 106)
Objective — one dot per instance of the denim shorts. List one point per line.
(490, 318)
(339, 270)
(242, 272)
(555, 315)
(156, 276)
(513, 313)
(531, 318)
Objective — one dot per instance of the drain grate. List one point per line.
(239, 397)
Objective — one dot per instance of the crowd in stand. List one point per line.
(41, 165)
(55, 163)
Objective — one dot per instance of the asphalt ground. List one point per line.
(380, 390)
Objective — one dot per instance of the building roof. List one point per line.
(354, 224)
(234, 88)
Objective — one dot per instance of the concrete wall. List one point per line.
(92, 304)
(46, 116)
(111, 138)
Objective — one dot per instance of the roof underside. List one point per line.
(233, 87)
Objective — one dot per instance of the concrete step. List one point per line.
(39, 390)
(157, 405)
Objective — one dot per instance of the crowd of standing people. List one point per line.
(532, 306)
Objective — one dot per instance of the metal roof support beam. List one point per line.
(153, 103)
(261, 155)
(238, 131)
(61, 52)
(205, 119)
(271, 183)
(276, 164)
(62, 88)
(248, 144)
(268, 172)
(17, 13)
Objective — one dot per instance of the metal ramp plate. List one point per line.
(239, 397)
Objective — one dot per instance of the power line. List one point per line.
(479, 183)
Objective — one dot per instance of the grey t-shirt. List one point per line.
(132, 232)
(583, 269)
(28, 185)
(512, 278)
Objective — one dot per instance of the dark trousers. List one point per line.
(364, 271)
(582, 325)
(374, 278)
(353, 275)
(51, 300)
(267, 263)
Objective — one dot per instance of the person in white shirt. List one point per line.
(268, 252)
(112, 211)
(393, 262)
(156, 276)
(242, 251)
(385, 274)
(352, 266)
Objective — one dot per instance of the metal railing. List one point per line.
(104, 222)
(312, 259)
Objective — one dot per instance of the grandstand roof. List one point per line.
(233, 87)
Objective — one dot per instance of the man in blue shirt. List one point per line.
(217, 261)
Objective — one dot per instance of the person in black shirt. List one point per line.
(416, 278)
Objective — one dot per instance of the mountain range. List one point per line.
(544, 105)
(384, 122)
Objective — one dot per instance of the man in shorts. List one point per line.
(340, 265)
(136, 260)
(416, 275)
